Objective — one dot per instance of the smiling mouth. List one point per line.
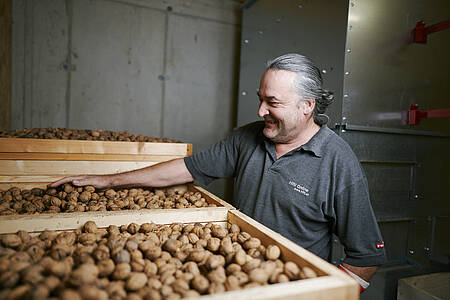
(270, 122)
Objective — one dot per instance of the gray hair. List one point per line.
(308, 82)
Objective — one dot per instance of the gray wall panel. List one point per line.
(49, 87)
(40, 49)
(18, 64)
(117, 53)
(200, 84)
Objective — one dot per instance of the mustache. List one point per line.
(270, 119)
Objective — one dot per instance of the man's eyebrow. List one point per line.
(268, 97)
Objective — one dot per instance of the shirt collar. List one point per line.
(317, 143)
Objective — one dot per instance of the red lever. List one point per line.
(414, 114)
(420, 32)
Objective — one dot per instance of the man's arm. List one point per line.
(162, 174)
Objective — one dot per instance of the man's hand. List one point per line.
(364, 272)
(98, 181)
(361, 274)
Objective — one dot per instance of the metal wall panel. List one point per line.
(386, 72)
(407, 175)
(117, 56)
(406, 166)
(271, 28)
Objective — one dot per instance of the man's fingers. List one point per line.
(82, 180)
(62, 181)
(58, 182)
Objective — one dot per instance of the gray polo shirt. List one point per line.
(305, 195)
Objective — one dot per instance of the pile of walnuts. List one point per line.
(68, 198)
(145, 261)
(80, 134)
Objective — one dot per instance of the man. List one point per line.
(292, 173)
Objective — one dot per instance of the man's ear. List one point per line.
(308, 106)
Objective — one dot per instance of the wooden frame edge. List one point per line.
(210, 197)
(69, 221)
(27, 145)
(290, 250)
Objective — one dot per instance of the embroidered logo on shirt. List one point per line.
(380, 245)
(299, 188)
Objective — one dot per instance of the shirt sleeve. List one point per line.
(357, 228)
(218, 161)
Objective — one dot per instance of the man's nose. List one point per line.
(262, 110)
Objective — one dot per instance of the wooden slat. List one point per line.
(321, 288)
(35, 167)
(81, 156)
(29, 179)
(67, 221)
(210, 197)
(92, 147)
(23, 185)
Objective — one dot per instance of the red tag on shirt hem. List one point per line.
(380, 245)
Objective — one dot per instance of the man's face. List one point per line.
(283, 113)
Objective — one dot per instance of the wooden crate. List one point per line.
(434, 286)
(41, 161)
(331, 284)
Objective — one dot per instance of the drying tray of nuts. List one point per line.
(80, 134)
(24, 160)
(71, 199)
(163, 256)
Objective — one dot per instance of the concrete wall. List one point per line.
(5, 63)
(159, 68)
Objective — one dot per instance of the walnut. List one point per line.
(84, 274)
(215, 261)
(11, 241)
(67, 238)
(33, 274)
(90, 292)
(213, 244)
(259, 275)
(110, 194)
(252, 243)
(122, 271)
(85, 196)
(122, 256)
(171, 245)
(90, 227)
(217, 275)
(136, 281)
(200, 283)
(308, 272)
(9, 279)
(291, 270)
(273, 252)
(87, 238)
